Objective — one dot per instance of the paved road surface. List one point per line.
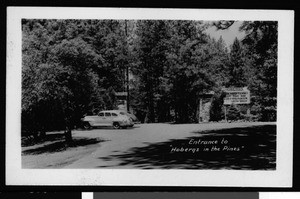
(121, 141)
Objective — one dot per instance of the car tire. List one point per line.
(116, 125)
(87, 126)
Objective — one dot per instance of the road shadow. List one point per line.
(109, 128)
(248, 148)
(61, 145)
(49, 137)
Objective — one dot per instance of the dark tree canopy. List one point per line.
(74, 67)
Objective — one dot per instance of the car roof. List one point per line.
(112, 111)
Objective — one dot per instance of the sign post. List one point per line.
(236, 95)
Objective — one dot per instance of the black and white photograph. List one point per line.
(134, 94)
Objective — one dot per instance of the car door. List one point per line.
(107, 120)
(99, 121)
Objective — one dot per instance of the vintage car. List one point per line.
(133, 117)
(115, 118)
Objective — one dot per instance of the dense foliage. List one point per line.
(74, 67)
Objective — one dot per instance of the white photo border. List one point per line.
(281, 177)
(278, 195)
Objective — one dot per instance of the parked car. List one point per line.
(115, 118)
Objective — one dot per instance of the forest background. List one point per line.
(75, 67)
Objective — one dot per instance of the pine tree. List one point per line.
(236, 65)
(261, 44)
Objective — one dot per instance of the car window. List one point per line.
(107, 114)
(101, 114)
(114, 114)
(122, 113)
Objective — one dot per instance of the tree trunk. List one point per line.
(42, 134)
(68, 132)
(68, 135)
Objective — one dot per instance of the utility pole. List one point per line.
(200, 110)
(127, 70)
(225, 112)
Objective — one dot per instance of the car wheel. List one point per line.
(116, 125)
(86, 126)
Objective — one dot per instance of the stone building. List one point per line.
(204, 106)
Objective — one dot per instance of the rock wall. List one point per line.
(204, 109)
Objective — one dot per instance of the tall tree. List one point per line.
(260, 63)
(218, 62)
(188, 70)
(69, 68)
(261, 42)
(236, 65)
(151, 50)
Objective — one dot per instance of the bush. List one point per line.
(233, 113)
(216, 111)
